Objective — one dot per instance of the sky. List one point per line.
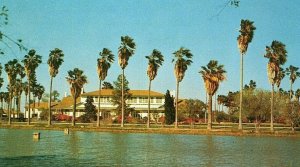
(82, 28)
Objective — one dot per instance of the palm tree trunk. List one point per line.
(241, 91)
(122, 99)
(209, 122)
(9, 108)
(99, 97)
(2, 110)
(176, 113)
(272, 104)
(14, 107)
(50, 98)
(25, 106)
(205, 120)
(74, 109)
(28, 121)
(19, 106)
(215, 112)
(291, 92)
(148, 121)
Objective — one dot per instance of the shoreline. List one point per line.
(163, 130)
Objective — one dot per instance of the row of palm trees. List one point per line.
(213, 74)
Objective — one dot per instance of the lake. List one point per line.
(17, 148)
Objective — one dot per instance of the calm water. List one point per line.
(17, 148)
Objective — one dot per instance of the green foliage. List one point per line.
(169, 109)
(90, 111)
(107, 85)
(117, 95)
(55, 96)
(76, 80)
(54, 61)
(126, 50)
(183, 59)
(191, 108)
(104, 62)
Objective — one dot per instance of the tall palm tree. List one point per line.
(182, 59)
(297, 94)
(31, 61)
(212, 75)
(125, 51)
(245, 37)
(13, 69)
(276, 53)
(103, 64)
(54, 61)
(155, 60)
(76, 79)
(293, 72)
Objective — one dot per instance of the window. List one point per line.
(158, 100)
(104, 99)
(151, 100)
(143, 100)
(132, 100)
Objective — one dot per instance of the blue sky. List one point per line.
(82, 28)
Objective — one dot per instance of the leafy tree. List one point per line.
(107, 85)
(90, 111)
(126, 50)
(117, 95)
(244, 38)
(212, 75)
(76, 80)
(155, 60)
(276, 53)
(31, 61)
(169, 108)
(182, 59)
(103, 64)
(54, 61)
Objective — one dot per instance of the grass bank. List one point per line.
(199, 129)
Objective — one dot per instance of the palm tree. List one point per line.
(17, 91)
(38, 92)
(155, 60)
(276, 53)
(293, 72)
(212, 75)
(31, 61)
(126, 50)
(297, 94)
(12, 68)
(245, 37)
(54, 61)
(76, 79)
(182, 59)
(103, 64)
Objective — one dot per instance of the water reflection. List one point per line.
(111, 149)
